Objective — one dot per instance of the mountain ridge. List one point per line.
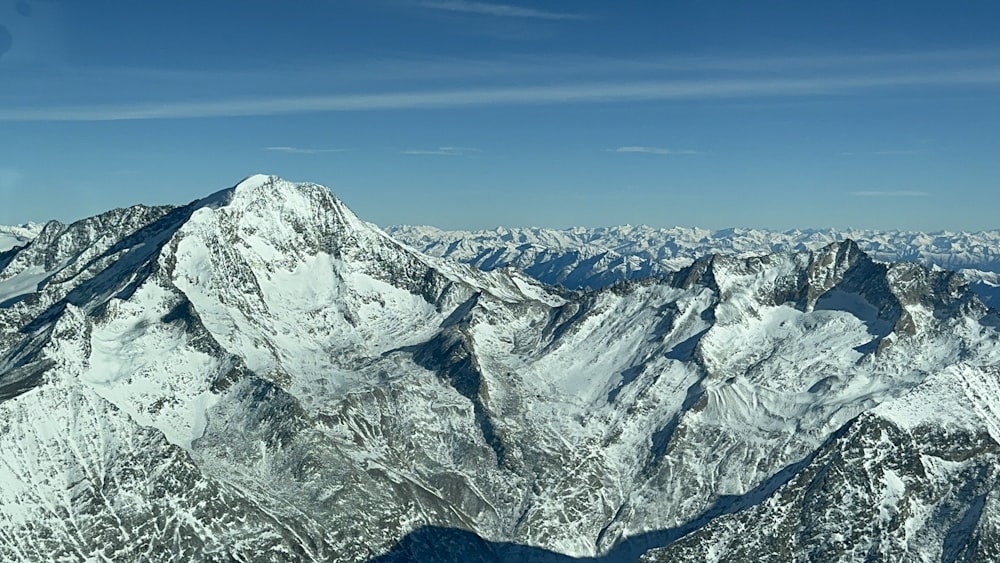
(591, 258)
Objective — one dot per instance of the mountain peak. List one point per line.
(269, 208)
(268, 194)
(255, 180)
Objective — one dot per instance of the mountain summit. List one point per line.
(260, 375)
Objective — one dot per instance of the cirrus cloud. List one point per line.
(653, 150)
(299, 150)
(443, 151)
(500, 10)
(511, 95)
(890, 193)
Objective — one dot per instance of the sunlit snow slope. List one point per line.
(11, 237)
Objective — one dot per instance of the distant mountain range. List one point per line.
(262, 376)
(591, 258)
(18, 235)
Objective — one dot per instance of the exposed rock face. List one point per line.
(260, 375)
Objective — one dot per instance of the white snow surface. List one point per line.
(19, 235)
(22, 283)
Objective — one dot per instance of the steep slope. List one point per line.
(911, 480)
(260, 372)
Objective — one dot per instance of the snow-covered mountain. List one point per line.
(18, 235)
(592, 258)
(260, 375)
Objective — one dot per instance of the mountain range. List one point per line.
(592, 258)
(260, 375)
(18, 235)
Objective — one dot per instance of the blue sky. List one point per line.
(466, 114)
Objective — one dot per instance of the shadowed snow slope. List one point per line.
(260, 375)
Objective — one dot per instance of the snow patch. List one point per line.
(23, 283)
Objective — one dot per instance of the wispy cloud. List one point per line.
(897, 152)
(443, 151)
(298, 150)
(599, 92)
(890, 193)
(499, 10)
(547, 66)
(653, 150)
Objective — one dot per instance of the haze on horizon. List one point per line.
(468, 114)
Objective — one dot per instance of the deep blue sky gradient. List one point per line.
(463, 114)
